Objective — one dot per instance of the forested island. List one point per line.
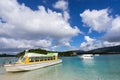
(105, 50)
(7, 55)
(42, 51)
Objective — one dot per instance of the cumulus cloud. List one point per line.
(98, 20)
(107, 43)
(91, 44)
(113, 34)
(61, 4)
(14, 43)
(102, 21)
(27, 28)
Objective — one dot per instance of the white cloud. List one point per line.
(98, 20)
(91, 44)
(113, 34)
(26, 27)
(65, 42)
(88, 39)
(35, 22)
(61, 4)
(101, 21)
(66, 15)
(12, 43)
(107, 44)
(62, 43)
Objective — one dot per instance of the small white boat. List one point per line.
(86, 56)
(97, 54)
(31, 61)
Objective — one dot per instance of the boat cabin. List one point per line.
(36, 58)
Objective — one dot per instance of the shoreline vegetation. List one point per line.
(7, 55)
(101, 51)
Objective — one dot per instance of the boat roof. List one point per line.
(29, 54)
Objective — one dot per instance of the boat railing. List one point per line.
(10, 61)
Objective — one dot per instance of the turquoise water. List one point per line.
(104, 67)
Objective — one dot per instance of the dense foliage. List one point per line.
(105, 50)
(6, 55)
(41, 51)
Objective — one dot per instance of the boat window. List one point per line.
(31, 59)
(37, 59)
(49, 58)
(41, 58)
(23, 59)
(53, 57)
(44, 58)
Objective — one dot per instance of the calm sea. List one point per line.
(103, 67)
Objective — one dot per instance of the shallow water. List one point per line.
(104, 67)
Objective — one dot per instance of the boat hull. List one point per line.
(27, 67)
(86, 56)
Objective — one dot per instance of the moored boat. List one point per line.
(86, 56)
(97, 54)
(31, 61)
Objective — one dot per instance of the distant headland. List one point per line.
(105, 50)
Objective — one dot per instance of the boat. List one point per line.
(97, 54)
(31, 61)
(86, 56)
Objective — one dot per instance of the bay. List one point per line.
(103, 67)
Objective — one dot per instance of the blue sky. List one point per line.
(58, 24)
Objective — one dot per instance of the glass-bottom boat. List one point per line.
(31, 61)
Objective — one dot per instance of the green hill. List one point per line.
(6, 55)
(41, 51)
(106, 50)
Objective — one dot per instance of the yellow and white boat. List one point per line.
(31, 61)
